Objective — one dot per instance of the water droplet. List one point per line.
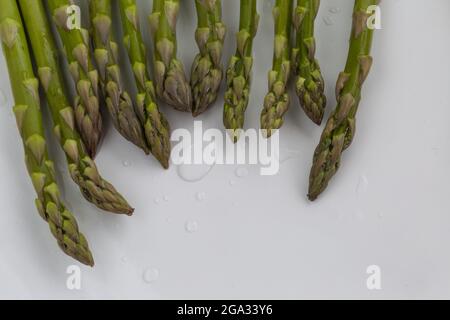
(232, 182)
(201, 196)
(380, 214)
(241, 172)
(126, 163)
(2, 99)
(193, 172)
(328, 21)
(150, 275)
(334, 10)
(166, 198)
(157, 200)
(169, 220)
(124, 259)
(362, 185)
(191, 226)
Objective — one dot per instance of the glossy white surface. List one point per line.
(258, 237)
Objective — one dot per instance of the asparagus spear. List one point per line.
(340, 128)
(276, 102)
(207, 69)
(309, 81)
(85, 76)
(29, 121)
(239, 71)
(156, 127)
(171, 84)
(118, 101)
(82, 168)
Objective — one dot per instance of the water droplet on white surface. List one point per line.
(335, 10)
(166, 198)
(362, 185)
(157, 200)
(2, 99)
(150, 275)
(328, 21)
(126, 163)
(201, 196)
(124, 259)
(191, 226)
(169, 220)
(232, 182)
(193, 172)
(241, 172)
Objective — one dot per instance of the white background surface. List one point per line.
(258, 237)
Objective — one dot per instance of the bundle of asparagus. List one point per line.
(82, 168)
(340, 128)
(27, 110)
(239, 71)
(78, 125)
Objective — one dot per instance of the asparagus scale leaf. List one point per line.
(118, 101)
(76, 48)
(27, 110)
(156, 127)
(81, 166)
(340, 128)
(171, 84)
(276, 102)
(309, 82)
(238, 76)
(207, 69)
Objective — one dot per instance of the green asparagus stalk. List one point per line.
(82, 168)
(309, 81)
(85, 76)
(340, 128)
(25, 89)
(207, 69)
(156, 127)
(239, 71)
(171, 84)
(118, 101)
(276, 102)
